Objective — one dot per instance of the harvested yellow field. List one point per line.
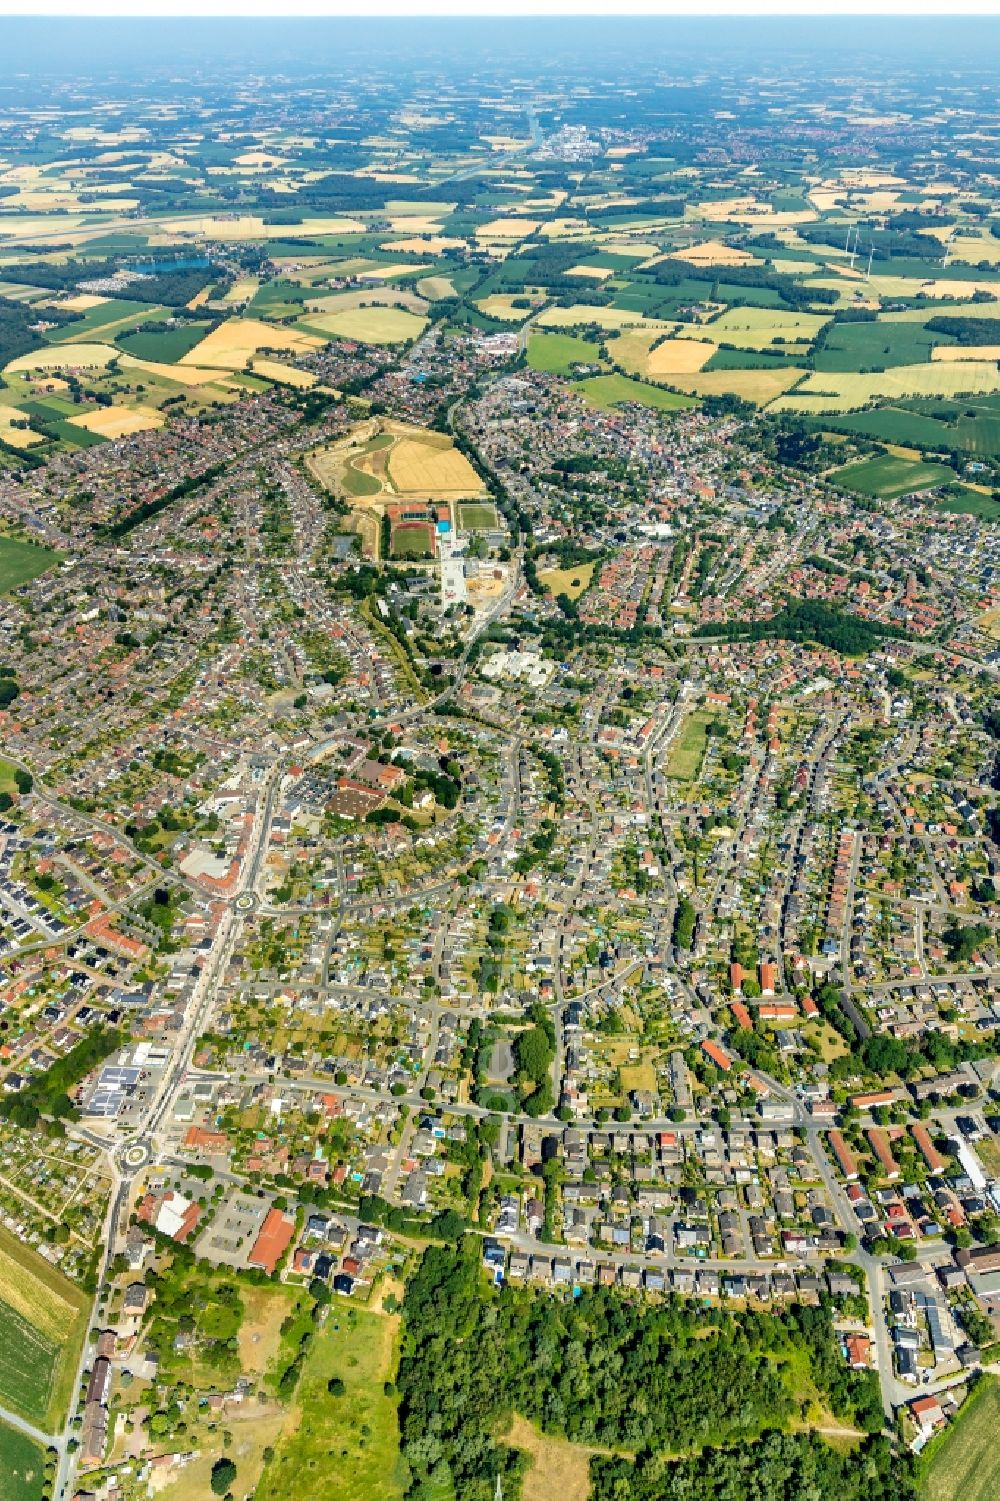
(594, 273)
(285, 375)
(417, 467)
(969, 248)
(38, 1299)
(386, 273)
(890, 287)
(240, 291)
(746, 210)
(919, 315)
(118, 422)
(507, 229)
(990, 623)
(16, 437)
(878, 202)
(712, 253)
(678, 357)
(80, 302)
(825, 199)
(65, 357)
(603, 317)
(233, 343)
(181, 375)
(570, 229)
(370, 325)
(952, 352)
(758, 386)
(436, 287)
(416, 223)
(259, 160)
(199, 299)
(841, 392)
(337, 302)
(499, 306)
(423, 245)
(641, 249)
(570, 581)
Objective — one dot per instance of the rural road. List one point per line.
(47, 1440)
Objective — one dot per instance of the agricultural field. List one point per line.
(395, 460)
(233, 343)
(117, 422)
(64, 357)
(604, 392)
(20, 562)
(759, 386)
(42, 1325)
(16, 436)
(964, 1461)
(887, 477)
(557, 354)
(840, 392)
(284, 375)
(428, 464)
(22, 1466)
(346, 1445)
(163, 345)
(760, 328)
(369, 325)
(506, 309)
(876, 346)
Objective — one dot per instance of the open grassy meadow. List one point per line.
(21, 1466)
(963, 1464)
(685, 752)
(556, 1468)
(604, 392)
(345, 1446)
(887, 477)
(556, 354)
(42, 1325)
(20, 562)
(569, 581)
(967, 502)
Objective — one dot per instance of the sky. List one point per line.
(372, 8)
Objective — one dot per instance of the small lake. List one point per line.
(187, 263)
